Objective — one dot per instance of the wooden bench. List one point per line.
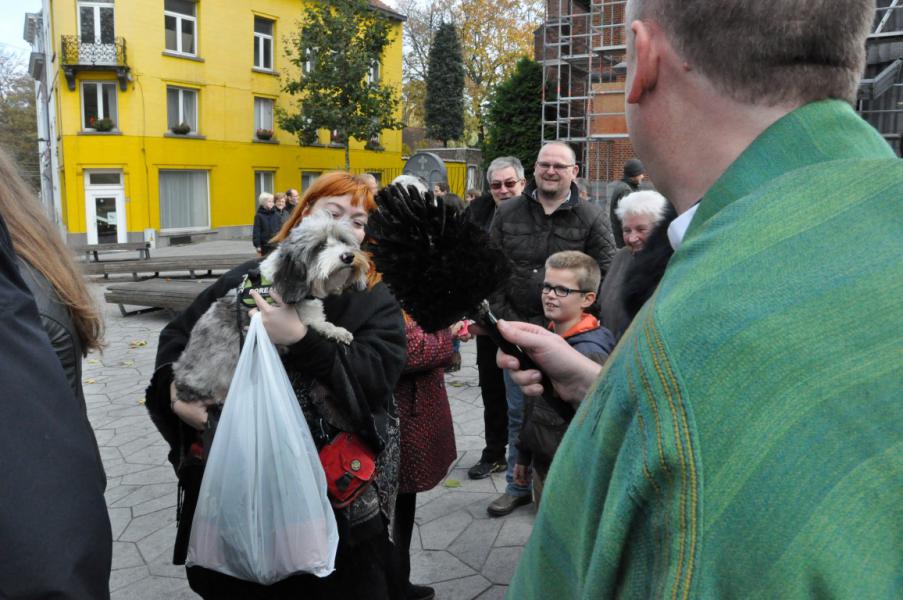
(156, 294)
(143, 249)
(187, 237)
(171, 264)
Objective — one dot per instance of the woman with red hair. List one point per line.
(332, 381)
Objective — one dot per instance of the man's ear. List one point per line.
(645, 62)
(588, 299)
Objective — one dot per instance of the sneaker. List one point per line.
(455, 364)
(419, 592)
(482, 469)
(506, 503)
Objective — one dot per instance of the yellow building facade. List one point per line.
(163, 112)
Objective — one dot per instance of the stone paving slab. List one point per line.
(456, 548)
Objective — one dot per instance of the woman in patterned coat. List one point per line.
(427, 437)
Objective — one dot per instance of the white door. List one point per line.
(105, 206)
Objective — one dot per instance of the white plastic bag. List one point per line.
(262, 512)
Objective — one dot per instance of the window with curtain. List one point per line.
(180, 26)
(263, 44)
(307, 178)
(263, 114)
(184, 200)
(98, 102)
(263, 182)
(182, 107)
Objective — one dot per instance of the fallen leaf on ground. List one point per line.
(452, 483)
(137, 343)
(127, 363)
(93, 361)
(90, 381)
(142, 401)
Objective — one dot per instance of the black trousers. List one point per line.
(495, 402)
(365, 571)
(405, 506)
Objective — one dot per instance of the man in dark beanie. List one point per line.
(634, 172)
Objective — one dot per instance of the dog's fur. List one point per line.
(320, 257)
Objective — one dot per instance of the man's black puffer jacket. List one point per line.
(528, 237)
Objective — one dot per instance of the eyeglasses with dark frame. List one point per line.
(508, 183)
(561, 291)
(543, 165)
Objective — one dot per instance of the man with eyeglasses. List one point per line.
(505, 176)
(548, 217)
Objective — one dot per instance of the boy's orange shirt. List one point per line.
(587, 322)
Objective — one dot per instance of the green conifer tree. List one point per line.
(444, 106)
(515, 116)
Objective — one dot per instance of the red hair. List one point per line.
(338, 183)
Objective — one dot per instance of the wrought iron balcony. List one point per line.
(94, 56)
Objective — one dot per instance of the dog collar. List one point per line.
(254, 281)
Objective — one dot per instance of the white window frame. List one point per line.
(160, 207)
(181, 119)
(96, 5)
(259, 180)
(375, 73)
(312, 176)
(260, 40)
(179, 17)
(99, 92)
(258, 124)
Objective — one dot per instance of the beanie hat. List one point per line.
(633, 168)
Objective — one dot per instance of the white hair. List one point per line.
(263, 197)
(405, 180)
(645, 203)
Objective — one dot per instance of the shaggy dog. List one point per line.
(321, 256)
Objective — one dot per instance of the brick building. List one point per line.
(581, 46)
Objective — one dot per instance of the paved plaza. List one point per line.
(457, 548)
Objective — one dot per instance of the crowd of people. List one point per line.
(715, 407)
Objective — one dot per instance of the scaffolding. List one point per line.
(880, 98)
(581, 47)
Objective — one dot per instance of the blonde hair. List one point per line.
(37, 242)
(584, 266)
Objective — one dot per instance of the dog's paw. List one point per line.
(343, 335)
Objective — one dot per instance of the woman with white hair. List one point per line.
(267, 223)
(641, 214)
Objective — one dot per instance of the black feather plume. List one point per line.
(438, 263)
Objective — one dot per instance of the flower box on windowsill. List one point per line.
(185, 136)
(264, 134)
(95, 132)
(269, 141)
(181, 129)
(377, 147)
(103, 125)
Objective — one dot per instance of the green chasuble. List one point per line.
(745, 439)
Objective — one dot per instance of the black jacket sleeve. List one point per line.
(361, 376)
(54, 528)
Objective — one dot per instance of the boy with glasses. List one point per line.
(548, 217)
(568, 290)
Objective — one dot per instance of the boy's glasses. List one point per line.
(509, 183)
(561, 291)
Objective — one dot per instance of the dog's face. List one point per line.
(321, 256)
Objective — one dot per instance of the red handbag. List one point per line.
(349, 466)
